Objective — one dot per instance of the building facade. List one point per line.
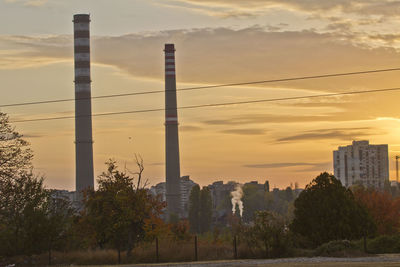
(185, 185)
(362, 163)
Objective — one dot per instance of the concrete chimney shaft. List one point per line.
(172, 165)
(83, 108)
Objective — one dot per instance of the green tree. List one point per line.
(23, 198)
(200, 210)
(194, 208)
(327, 211)
(58, 221)
(15, 154)
(253, 201)
(205, 212)
(267, 234)
(118, 211)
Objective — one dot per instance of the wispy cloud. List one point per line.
(244, 131)
(190, 128)
(34, 3)
(345, 134)
(275, 165)
(256, 7)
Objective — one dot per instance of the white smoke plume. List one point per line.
(237, 199)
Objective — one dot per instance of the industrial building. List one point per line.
(362, 163)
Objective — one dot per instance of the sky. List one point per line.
(217, 42)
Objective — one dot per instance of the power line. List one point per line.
(203, 87)
(215, 104)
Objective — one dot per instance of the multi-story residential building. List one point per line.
(221, 200)
(159, 190)
(186, 186)
(71, 196)
(362, 163)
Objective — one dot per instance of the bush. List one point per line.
(384, 244)
(338, 248)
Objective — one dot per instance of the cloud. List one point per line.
(244, 131)
(157, 164)
(220, 55)
(34, 3)
(287, 165)
(190, 128)
(269, 118)
(345, 134)
(256, 7)
(33, 135)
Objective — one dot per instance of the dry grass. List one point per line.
(169, 251)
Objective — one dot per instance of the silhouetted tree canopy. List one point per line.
(327, 211)
(200, 210)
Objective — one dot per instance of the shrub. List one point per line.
(384, 244)
(338, 248)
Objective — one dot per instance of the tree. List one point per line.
(327, 211)
(200, 210)
(15, 154)
(58, 220)
(194, 207)
(384, 209)
(23, 197)
(205, 212)
(253, 201)
(119, 210)
(268, 232)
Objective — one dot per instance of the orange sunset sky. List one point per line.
(217, 42)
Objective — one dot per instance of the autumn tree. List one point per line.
(384, 209)
(327, 211)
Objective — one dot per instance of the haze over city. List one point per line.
(216, 42)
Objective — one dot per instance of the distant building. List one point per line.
(159, 189)
(186, 186)
(362, 163)
(261, 187)
(70, 196)
(221, 200)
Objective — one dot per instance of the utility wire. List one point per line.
(215, 104)
(203, 87)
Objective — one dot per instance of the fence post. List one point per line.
(157, 258)
(195, 248)
(235, 248)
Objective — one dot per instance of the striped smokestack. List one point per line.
(171, 135)
(83, 108)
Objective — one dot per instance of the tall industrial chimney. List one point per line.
(83, 107)
(172, 169)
